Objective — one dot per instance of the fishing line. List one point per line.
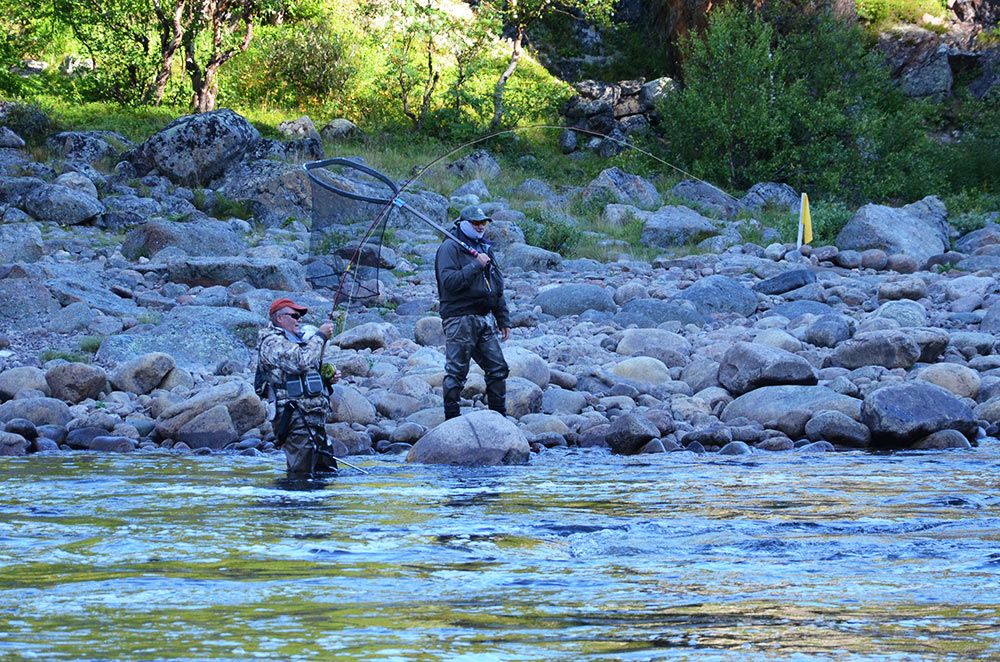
(395, 201)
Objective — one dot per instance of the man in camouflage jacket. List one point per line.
(284, 355)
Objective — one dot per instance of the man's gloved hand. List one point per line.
(326, 328)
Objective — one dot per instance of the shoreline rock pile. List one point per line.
(885, 340)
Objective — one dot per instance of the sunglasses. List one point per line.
(294, 316)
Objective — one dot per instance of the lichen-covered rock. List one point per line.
(195, 149)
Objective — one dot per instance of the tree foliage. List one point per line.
(815, 109)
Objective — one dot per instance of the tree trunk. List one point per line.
(171, 36)
(515, 57)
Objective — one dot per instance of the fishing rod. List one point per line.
(395, 201)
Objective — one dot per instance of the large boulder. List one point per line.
(348, 405)
(40, 411)
(889, 349)
(666, 346)
(575, 299)
(616, 185)
(20, 242)
(87, 146)
(918, 60)
(211, 238)
(720, 294)
(370, 335)
(277, 190)
(143, 373)
(705, 196)
(648, 312)
(244, 408)
(62, 205)
(195, 149)
(212, 428)
(22, 378)
(264, 273)
(893, 231)
(480, 438)
(769, 403)
(26, 302)
(629, 433)
(901, 414)
(75, 382)
(747, 366)
(769, 194)
(669, 227)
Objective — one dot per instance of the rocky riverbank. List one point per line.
(886, 339)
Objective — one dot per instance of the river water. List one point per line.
(579, 554)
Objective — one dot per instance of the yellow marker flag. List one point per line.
(805, 221)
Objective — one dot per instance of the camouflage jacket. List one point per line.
(282, 358)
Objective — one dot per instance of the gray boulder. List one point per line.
(87, 146)
(143, 373)
(770, 194)
(837, 428)
(245, 409)
(370, 335)
(26, 303)
(212, 428)
(348, 405)
(40, 411)
(276, 190)
(531, 258)
(616, 185)
(59, 204)
(669, 227)
(20, 242)
(523, 397)
(892, 230)
(646, 313)
(575, 299)
(479, 164)
(263, 273)
(196, 339)
(75, 382)
(786, 282)
(706, 196)
(901, 414)
(195, 149)
(720, 294)
(747, 366)
(338, 129)
(13, 445)
(9, 139)
(629, 433)
(889, 349)
(480, 438)
(769, 403)
(22, 378)
(196, 238)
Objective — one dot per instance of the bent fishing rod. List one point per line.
(395, 201)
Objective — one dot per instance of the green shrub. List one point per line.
(548, 231)
(90, 344)
(815, 109)
(29, 121)
(53, 354)
(880, 13)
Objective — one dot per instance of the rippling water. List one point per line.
(579, 554)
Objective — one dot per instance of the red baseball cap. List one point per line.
(278, 304)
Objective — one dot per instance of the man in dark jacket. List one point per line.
(470, 288)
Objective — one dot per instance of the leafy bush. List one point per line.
(815, 109)
(548, 231)
(27, 120)
(299, 66)
(882, 12)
